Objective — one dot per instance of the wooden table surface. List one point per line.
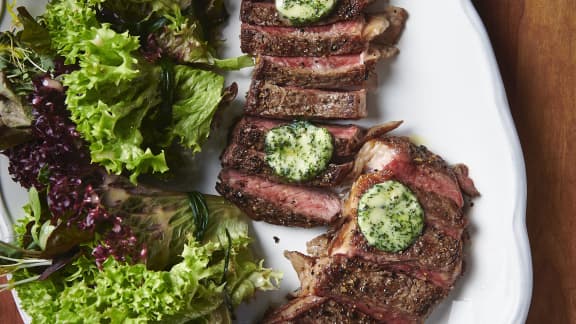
(535, 44)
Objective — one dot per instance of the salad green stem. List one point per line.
(21, 261)
(10, 285)
(19, 264)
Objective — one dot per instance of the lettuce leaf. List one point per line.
(183, 39)
(15, 118)
(19, 64)
(115, 97)
(70, 24)
(197, 99)
(192, 290)
(108, 97)
(186, 31)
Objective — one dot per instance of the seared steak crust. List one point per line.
(442, 213)
(378, 289)
(466, 184)
(276, 203)
(337, 39)
(269, 100)
(400, 287)
(437, 253)
(411, 164)
(349, 37)
(332, 72)
(254, 162)
(264, 13)
(251, 132)
(435, 256)
(318, 310)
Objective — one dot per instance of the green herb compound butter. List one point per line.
(390, 216)
(304, 11)
(298, 151)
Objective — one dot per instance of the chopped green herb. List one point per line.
(298, 151)
(300, 12)
(390, 216)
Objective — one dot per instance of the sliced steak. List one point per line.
(280, 204)
(318, 310)
(264, 13)
(251, 132)
(253, 162)
(376, 290)
(401, 287)
(411, 164)
(441, 212)
(435, 256)
(353, 71)
(266, 99)
(336, 39)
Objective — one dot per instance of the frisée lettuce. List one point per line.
(211, 277)
(130, 108)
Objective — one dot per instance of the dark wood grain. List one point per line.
(8, 312)
(535, 45)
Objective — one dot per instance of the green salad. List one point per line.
(93, 95)
(203, 279)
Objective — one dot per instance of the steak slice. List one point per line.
(435, 256)
(251, 132)
(264, 13)
(266, 99)
(337, 39)
(276, 203)
(253, 162)
(413, 165)
(441, 212)
(384, 294)
(318, 310)
(400, 287)
(353, 71)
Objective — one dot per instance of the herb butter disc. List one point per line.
(390, 216)
(298, 151)
(304, 11)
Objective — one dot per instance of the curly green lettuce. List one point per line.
(116, 97)
(212, 276)
(109, 97)
(70, 24)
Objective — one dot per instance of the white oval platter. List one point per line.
(446, 86)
